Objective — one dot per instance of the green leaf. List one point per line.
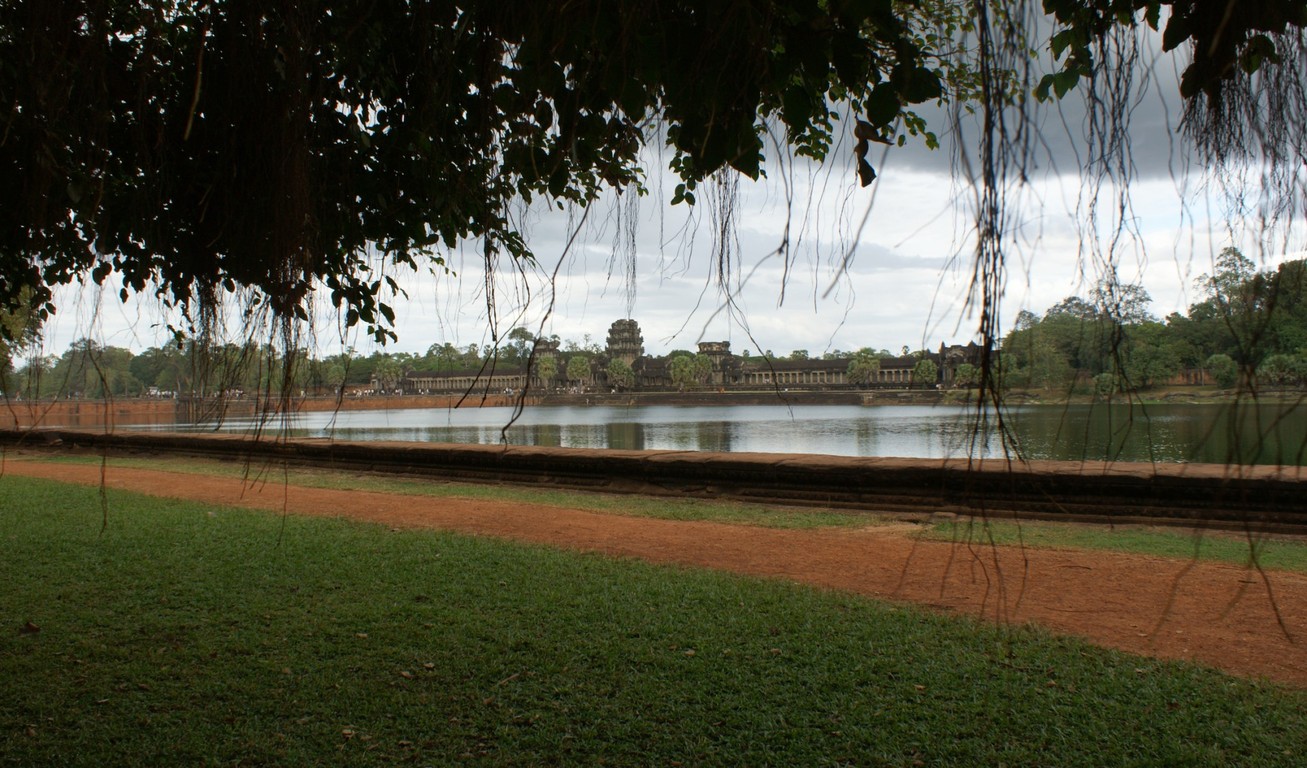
(1178, 29)
(1064, 81)
(1153, 15)
(883, 105)
(1258, 49)
(1061, 41)
(849, 57)
(747, 163)
(558, 181)
(922, 84)
(1045, 85)
(796, 106)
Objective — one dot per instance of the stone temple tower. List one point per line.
(625, 342)
(719, 352)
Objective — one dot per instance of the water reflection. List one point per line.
(1266, 434)
(1163, 433)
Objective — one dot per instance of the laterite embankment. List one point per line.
(1253, 498)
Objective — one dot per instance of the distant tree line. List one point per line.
(1248, 327)
(90, 369)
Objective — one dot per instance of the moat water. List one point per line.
(1163, 433)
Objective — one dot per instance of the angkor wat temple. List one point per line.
(653, 374)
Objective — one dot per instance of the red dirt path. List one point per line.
(1219, 615)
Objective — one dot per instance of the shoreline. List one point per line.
(144, 411)
(124, 412)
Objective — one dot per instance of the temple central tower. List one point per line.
(625, 342)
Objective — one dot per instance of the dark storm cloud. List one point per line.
(1061, 145)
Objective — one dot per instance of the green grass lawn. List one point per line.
(1281, 553)
(183, 634)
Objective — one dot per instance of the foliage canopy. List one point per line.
(196, 148)
(280, 150)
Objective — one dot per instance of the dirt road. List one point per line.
(1220, 615)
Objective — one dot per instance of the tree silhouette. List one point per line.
(297, 147)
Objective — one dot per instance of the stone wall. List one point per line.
(1251, 498)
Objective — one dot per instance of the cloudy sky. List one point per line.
(882, 267)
